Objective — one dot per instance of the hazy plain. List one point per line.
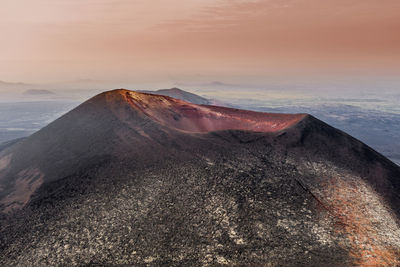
(366, 110)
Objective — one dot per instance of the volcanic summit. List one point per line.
(141, 179)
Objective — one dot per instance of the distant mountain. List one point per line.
(223, 84)
(38, 92)
(182, 95)
(3, 83)
(139, 179)
(218, 84)
(9, 85)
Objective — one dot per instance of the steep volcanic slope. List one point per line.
(139, 179)
(109, 125)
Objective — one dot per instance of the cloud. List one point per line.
(124, 38)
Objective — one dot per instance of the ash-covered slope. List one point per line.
(140, 179)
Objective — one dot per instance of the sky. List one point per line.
(45, 41)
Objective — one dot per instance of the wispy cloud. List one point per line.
(125, 38)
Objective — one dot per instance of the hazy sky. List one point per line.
(129, 40)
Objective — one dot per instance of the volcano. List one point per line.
(131, 178)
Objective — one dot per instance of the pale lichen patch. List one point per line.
(149, 259)
(222, 260)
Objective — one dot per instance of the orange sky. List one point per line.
(130, 40)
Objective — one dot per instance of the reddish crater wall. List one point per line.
(202, 118)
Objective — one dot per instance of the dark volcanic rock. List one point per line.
(137, 179)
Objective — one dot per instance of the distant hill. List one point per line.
(182, 95)
(18, 85)
(3, 83)
(38, 92)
